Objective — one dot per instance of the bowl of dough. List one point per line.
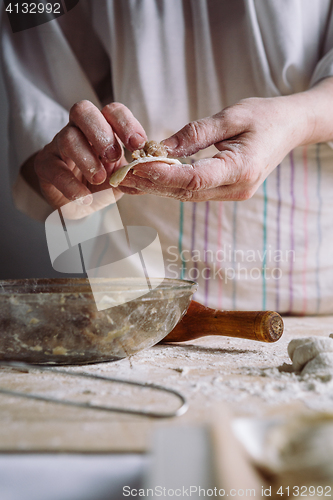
(56, 321)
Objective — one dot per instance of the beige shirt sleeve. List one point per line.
(47, 69)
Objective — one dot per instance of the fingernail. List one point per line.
(84, 200)
(136, 141)
(142, 175)
(99, 178)
(113, 152)
(171, 143)
(129, 183)
(87, 200)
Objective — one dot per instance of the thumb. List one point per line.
(201, 134)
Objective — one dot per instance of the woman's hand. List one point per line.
(252, 138)
(83, 154)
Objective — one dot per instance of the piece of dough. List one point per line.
(151, 151)
(305, 351)
(321, 365)
(299, 450)
(120, 175)
(294, 343)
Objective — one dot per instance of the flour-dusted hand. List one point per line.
(84, 154)
(252, 137)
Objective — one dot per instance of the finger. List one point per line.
(85, 116)
(56, 173)
(72, 144)
(126, 126)
(208, 173)
(131, 191)
(53, 195)
(221, 193)
(201, 134)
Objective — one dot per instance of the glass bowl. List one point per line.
(56, 321)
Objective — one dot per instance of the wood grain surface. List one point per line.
(208, 371)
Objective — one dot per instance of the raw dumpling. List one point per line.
(152, 151)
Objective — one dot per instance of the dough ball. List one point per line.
(293, 344)
(301, 351)
(321, 365)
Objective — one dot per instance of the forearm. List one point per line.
(312, 113)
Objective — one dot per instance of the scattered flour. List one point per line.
(239, 372)
(310, 373)
(248, 375)
(227, 374)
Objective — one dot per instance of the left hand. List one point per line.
(252, 138)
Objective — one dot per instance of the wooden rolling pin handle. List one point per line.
(200, 321)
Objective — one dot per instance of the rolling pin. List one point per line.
(200, 321)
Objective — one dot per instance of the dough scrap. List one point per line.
(299, 450)
(321, 365)
(152, 151)
(120, 175)
(312, 354)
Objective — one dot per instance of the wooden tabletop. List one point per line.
(241, 373)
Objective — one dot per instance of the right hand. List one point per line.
(83, 155)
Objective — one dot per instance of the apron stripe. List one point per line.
(292, 240)
(180, 240)
(206, 277)
(194, 208)
(194, 219)
(278, 231)
(219, 246)
(264, 246)
(305, 225)
(319, 231)
(234, 241)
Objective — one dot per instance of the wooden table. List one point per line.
(241, 373)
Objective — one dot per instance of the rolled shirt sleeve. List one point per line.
(44, 77)
(324, 67)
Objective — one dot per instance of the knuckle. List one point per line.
(60, 138)
(226, 116)
(196, 183)
(59, 179)
(250, 177)
(114, 107)
(67, 138)
(227, 120)
(195, 131)
(78, 109)
(186, 195)
(238, 116)
(244, 194)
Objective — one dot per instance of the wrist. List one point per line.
(298, 119)
(311, 113)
